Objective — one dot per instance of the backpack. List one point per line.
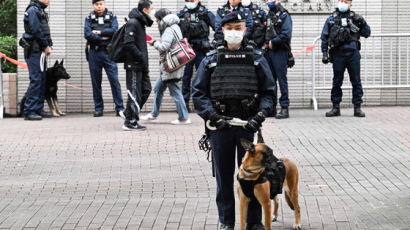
(116, 47)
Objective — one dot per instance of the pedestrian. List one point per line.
(37, 36)
(341, 33)
(196, 21)
(233, 81)
(168, 25)
(136, 64)
(259, 20)
(277, 43)
(230, 6)
(99, 26)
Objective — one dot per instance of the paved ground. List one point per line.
(80, 172)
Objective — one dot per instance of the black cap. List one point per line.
(234, 16)
(94, 1)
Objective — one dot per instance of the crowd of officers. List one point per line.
(237, 72)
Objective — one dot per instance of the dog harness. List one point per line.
(276, 177)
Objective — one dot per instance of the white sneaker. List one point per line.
(183, 122)
(122, 114)
(148, 117)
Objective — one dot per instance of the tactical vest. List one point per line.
(227, 9)
(200, 28)
(100, 23)
(235, 75)
(342, 30)
(258, 35)
(274, 23)
(45, 28)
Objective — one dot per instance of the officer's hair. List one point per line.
(144, 4)
(161, 13)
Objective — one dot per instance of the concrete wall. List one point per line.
(67, 20)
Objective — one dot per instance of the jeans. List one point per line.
(188, 71)
(176, 94)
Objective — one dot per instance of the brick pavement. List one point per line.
(79, 172)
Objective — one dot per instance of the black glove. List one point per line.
(255, 122)
(359, 20)
(219, 122)
(325, 58)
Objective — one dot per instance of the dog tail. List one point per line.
(288, 200)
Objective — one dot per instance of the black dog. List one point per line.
(53, 75)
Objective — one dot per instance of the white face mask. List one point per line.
(246, 3)
(152, 14)
(233, 37)
(343, 7)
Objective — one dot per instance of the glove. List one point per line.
(359, 20)
(325, 58)
(220, 122)
(255, 122)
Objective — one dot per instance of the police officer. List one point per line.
(195, 22)
(99, 27)
(341, 33)
(36, 41)
(233, 81)
(277, 44)
(230, 6)
(259, 19)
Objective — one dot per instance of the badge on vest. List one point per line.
(236, 56)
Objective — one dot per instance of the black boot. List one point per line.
(358, 112)
(33, 117)
(335, 112)
(284, 113)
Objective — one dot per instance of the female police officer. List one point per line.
(233, 81)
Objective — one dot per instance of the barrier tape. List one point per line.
(306, 49)
(23, 65)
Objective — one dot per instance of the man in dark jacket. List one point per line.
(136, 64)
(99, 27)
(37, 34)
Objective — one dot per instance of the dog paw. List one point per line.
(274, 218)
(297, 227)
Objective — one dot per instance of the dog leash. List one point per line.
(42, 61)
(234, 122)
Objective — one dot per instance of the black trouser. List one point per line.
(139, 85)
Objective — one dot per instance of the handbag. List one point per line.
(179, 55)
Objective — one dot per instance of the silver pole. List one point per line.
(1, 93)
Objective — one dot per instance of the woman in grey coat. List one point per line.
(166, 23)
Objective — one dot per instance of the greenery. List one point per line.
(8, 18)
(8, 46)
(8, 33)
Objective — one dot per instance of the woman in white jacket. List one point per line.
(166, 23)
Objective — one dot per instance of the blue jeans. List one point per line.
(97, 61)
(36, 89)
(188, 71)
(176, 94)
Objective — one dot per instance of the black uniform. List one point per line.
(259, 28)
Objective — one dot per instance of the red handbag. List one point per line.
(179, 55)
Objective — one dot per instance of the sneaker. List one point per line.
(131, 127)
(148, 117)
(121, 114)
(181, 122)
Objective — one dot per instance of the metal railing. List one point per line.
(377, 71)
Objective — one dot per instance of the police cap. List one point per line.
(235, 16)
(94, 1)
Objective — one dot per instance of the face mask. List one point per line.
(190, 5)
(233, 37)
(152, 14)
(343, 7)
(271, 5)
(246, 3)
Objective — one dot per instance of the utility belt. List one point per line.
(201, 46)
(243, 109)
(29, 46)
(98, 48)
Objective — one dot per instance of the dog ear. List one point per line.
(55, 64)
(247, 145)
(260, 138)
(62, 62)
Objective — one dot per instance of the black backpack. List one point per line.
(116, 47)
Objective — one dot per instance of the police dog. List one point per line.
(258, 168)
(53, 75)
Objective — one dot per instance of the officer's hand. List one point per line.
(325, 58)
(270, 45)
(220, 122)
(97, 32)
(47, 50)
(255, 122)
(105, 38)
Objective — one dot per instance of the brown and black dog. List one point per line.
(258, 167)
